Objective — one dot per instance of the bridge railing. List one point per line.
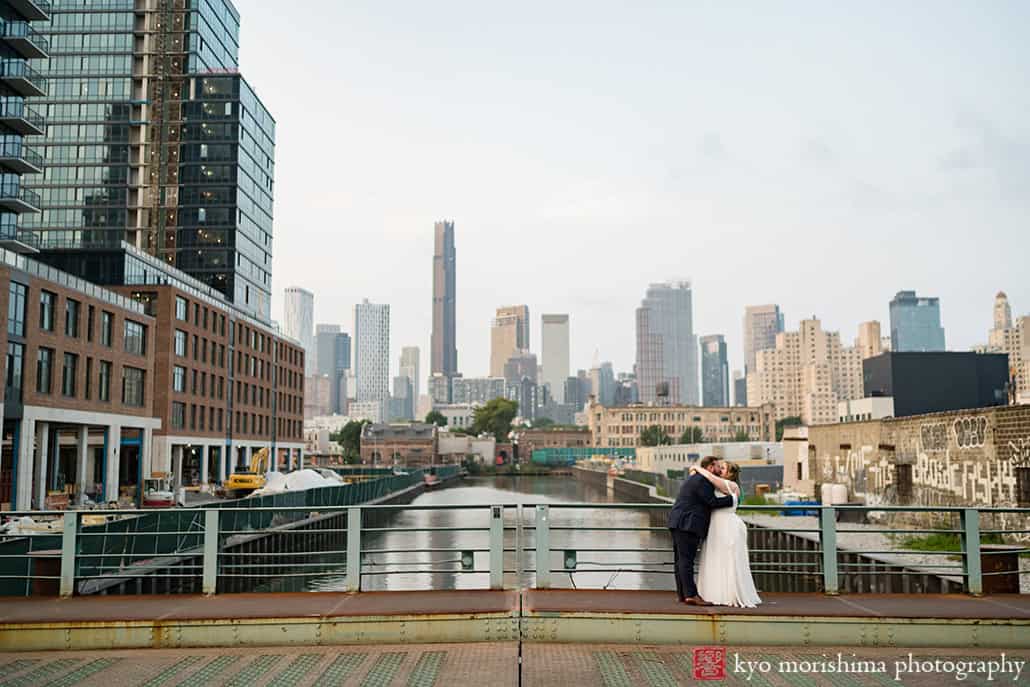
(312, 546)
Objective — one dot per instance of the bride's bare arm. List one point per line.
(722, 485)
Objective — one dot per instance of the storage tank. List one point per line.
(833, 494)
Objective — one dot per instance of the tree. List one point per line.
(742, 435)
(435, 417)
(542, 422)
(655, 435)
(495, 417)
(349, 438)
(792, 421)
(692, 435)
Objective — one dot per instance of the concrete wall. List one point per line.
(959, 458)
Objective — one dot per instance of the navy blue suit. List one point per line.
(688, 523)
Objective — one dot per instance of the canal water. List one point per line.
(408, 560)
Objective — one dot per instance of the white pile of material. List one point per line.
(299, 480)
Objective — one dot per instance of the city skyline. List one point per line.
(834, 164)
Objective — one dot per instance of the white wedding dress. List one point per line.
(724, 573)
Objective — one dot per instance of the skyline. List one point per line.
(765, 175)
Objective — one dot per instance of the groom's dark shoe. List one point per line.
(696, 601)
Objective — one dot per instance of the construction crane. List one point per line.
(242, 482)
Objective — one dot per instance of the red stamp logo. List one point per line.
(709, 663)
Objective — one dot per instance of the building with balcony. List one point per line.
(19, 43)
(154, 139)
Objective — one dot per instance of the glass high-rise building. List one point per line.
(715, 371)
(155, 139)
(666, 362)
(20, 42)
(916, 323)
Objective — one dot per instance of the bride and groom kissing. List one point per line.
(702, 521)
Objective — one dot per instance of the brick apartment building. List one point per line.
(620, 426)
(78, 388)
(117, 385)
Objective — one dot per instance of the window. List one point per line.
(90, 314)
(1022, 486)
(44, 369)
(89, 377)
(178, 415)
(181, 308)
(106, 328)
(16, 309)
(132, 386)
(15, 368)
(47, 302)
(71, 318)
(104, 387)
(71, 366)
(179, 379)
(135, 338)
(180, 343)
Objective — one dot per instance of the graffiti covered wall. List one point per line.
(960, 458)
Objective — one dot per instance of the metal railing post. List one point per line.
(543, 547)
(353, 549)
(210, 580)
(971, 549)
(69, 545)
(828, 543)
(496, 547)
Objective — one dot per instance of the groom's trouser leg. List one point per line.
(686, 545)
(675, 566)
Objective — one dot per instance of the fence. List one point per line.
(299, 538)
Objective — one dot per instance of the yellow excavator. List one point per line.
(242, 482)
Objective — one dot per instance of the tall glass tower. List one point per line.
(19, 43)
(155, 139)
(916, 323)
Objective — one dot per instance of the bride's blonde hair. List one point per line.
(732, 472)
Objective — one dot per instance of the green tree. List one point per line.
(692, 435)
(792, 421)
(495, 417)
(435, 417)
(655, 435)
(349, 437)
(542, 422)
(742, 435)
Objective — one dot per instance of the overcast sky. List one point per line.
(817, 155)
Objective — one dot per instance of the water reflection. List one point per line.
(404, 560)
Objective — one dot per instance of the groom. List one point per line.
(688, 523)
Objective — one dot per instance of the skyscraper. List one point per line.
(554, 331)
(761, 325)
(739, 388)
(715, 371)
(870, 343)
(509, 334)
(333, 360)
(18, 80)
(666, 361)
(1002, 311)
(916, 323)
(372, 351)
(602, 383)
(299, 322)
(409, 368)
(160, 142)
(443, 350)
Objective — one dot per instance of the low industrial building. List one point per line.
(457, 448)
(964, 458)
(529, 440)
(679, 457)
(409, 444)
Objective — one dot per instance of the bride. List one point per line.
(724, 573)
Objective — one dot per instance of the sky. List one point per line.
(821, 156)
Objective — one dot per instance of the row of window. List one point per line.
(200, 348)
(134, 334)
(199, 383)
(133, 379)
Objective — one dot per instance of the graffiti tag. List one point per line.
(970, 432)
